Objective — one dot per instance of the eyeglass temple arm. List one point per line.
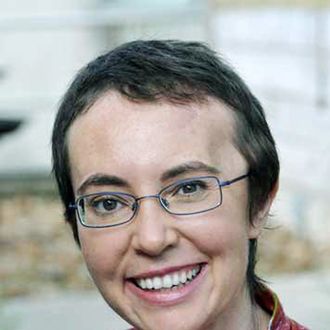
(72, 206)
(229, 182)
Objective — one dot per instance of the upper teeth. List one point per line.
(168, 280)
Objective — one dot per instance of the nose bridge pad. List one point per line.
(164, 201)
(135, 206)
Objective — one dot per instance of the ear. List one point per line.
(260, 218)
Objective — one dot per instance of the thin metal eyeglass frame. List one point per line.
(157, 196)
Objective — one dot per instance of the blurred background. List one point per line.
(281, 49)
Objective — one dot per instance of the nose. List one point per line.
(155, 230)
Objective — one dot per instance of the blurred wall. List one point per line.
(284, 55)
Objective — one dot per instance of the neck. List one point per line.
(259, 319)
(244, 315)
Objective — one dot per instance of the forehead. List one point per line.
(124, 114)
(118, 135)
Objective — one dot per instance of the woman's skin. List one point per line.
(139, 148)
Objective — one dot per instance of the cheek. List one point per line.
(223, 239)
(223, 234)
(103, 251)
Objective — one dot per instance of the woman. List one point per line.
(167, 170)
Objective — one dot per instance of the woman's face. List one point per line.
(147, 146)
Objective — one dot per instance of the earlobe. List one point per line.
(259, 220)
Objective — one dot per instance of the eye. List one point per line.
(108, 204)
(190, 188)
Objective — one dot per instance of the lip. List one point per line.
(166, 297)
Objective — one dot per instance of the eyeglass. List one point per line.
(185, 197)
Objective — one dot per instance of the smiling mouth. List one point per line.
(171, 280)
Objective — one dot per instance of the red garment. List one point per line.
(269, 301)
(271, 304)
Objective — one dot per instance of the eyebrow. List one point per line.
(100, 179)
(189, 167)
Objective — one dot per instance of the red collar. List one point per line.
(269, 301)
